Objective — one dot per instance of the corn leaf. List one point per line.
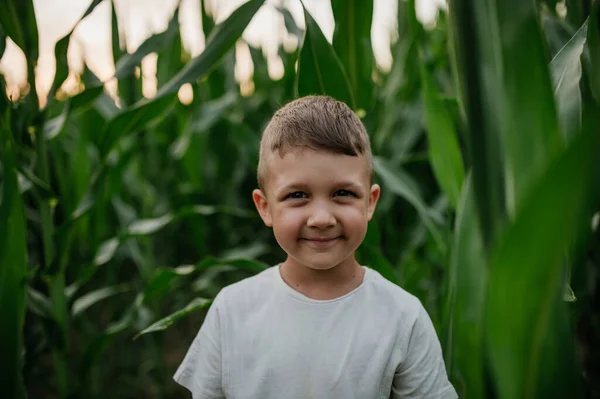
(398, 186)
(593, 41)
(166, 322)
(126, 64)
(17, 20)
(352, 44)
(320, 71)
(221, 40)
(444, 149)
(526, 280)
(85, 301)
(468, 279)
(566, 74)
(13, 266)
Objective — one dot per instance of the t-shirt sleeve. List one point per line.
(422, 373)
(201, 369)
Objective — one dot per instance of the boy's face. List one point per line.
(318, 204)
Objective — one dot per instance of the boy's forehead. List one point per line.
(304, 165)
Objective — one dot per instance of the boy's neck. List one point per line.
(322, 284)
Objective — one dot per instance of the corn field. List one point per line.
(121, 218)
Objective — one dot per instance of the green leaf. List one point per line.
(115, 39)
(2, 42)
(352, 44)
(444, 149)
(320, 71)
(38, 303)
(290, 23)
(155, 43)
(512, 129)
(164, 323)
(468, 277)
(134, 119)
(593, 41)
(527, 278)
(17, 21)
(13, 269)
(399, 186)
(85, 301)
(54, 126)
(566, 74)
(221, 40)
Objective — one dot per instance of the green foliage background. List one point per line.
(120, 221)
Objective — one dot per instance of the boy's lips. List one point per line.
(320, 241)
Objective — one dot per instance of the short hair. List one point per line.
(316, 122)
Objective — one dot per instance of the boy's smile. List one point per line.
(319, 204)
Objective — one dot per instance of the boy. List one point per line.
(318, 325)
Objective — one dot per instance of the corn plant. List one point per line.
(121, 218)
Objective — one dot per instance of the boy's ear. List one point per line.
(373, 197)
(262, 206)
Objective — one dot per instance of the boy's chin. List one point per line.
(317, 264)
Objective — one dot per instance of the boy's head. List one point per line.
(315, 181)
(320, 123)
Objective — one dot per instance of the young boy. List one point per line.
(319, 325)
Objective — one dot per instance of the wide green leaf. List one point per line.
(468, 277)
(527, 277)
(221, 40)
(566, 74)
(444, 149)
(166, 322)
(2, 42)
(13, 266)
(477, 50)
(352, 44)
(320, 71)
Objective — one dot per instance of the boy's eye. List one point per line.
(296, 195)
(344, 193)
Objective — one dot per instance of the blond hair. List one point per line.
(316, 122)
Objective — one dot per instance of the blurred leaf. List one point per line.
(221, 40)
(13, 270)
(134, 119)
(400, 187)
(320, 71)
(593, 41)
(468, 279)
(82, 303)
(290, 23)
(115, 33)
(2, 42)
(566, 74)
(170, 57)
(526, 280)
(54, 126)
(17, 21)
(155, 43)
(149, 226)
(38, 303)
(352, 44)
(164, 323)
(444, 149)
(208, 23)
(86, 97)
(106, 251)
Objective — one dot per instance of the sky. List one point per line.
(139, 19)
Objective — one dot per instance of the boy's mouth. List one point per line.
(321, 241)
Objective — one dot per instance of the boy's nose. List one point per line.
(321, 218)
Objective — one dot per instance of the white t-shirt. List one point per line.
(261, 339)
